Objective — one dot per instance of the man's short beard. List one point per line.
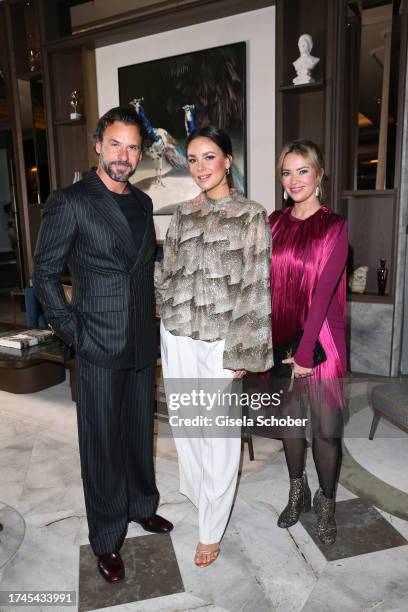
(121, 178)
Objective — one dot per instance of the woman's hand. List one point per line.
(238, 374)
(298, 370)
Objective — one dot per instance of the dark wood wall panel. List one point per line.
(303, 116)
(72, 152)
(67, 75)
(34, 213)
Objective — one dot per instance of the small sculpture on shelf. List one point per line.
(33, 55)
(33, 60)
(358, 280)
(74, 102)
(382, 275)
(306, 62)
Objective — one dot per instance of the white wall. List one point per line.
(257, 28)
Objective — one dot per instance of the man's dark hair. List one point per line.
(124, 114)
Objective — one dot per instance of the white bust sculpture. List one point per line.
(306, 62)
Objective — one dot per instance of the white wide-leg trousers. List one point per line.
(208, 465)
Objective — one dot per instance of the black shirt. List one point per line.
(135, 213)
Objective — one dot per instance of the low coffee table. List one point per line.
(31, 369)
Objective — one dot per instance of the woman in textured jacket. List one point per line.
(213, 291)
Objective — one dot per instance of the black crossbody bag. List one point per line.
(288, 349)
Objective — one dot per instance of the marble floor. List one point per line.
(261, 567)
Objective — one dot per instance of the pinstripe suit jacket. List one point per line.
(111, 321)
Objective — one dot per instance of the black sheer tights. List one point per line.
(326, 455)
(326, 448)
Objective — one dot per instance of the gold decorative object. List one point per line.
(33, 56)
(74, 102)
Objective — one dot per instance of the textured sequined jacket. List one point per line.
(213, 281)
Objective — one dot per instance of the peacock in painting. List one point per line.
(182, 93)
(189, 120)
(190, 125)
(161, 144)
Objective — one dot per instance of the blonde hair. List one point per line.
(312, 155)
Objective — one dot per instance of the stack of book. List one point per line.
(26, 339)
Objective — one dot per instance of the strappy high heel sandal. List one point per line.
(205, 552)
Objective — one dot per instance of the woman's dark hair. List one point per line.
(219, 137)
(124, 114)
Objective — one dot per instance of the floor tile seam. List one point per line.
(74, 449)
(26, 471)
(390, 518)
(296, 546)
(251, 565)
(317, 586)
(371, 606)
(341, 560)
(302, 554)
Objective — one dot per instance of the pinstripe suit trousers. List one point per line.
(115, 424)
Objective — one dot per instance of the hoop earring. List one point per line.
(317, 191)
(285, 195)
(227, 171)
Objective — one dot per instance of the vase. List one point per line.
(382, 275)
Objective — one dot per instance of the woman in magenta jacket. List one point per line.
(308, 288)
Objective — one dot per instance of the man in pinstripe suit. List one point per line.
(102, 227)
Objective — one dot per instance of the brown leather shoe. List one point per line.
(155, 524)
(111, 567)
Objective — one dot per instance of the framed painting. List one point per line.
(175, 94)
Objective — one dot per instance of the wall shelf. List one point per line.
(27, 75)
(81, 121)
(372, 298)
(364, 193)
(317, 86)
